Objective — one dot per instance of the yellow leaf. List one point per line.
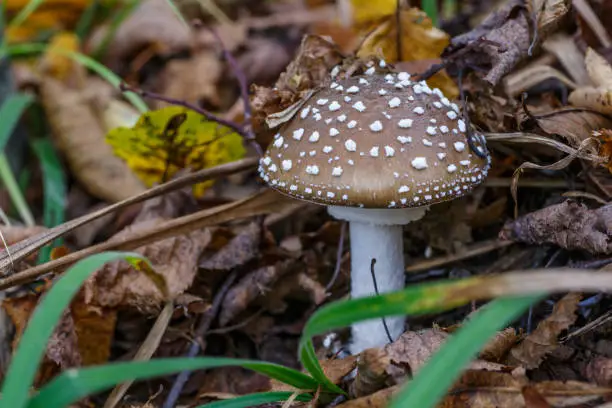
(55, 64)
(366, 11)
(420, 40)
(173, 138)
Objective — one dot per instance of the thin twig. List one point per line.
(200, 333)
(377, 293)
(207, 114)
(338, 258)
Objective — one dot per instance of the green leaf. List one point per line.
(311, 364)
(101, 70)
(10, 113)
(54, 189)
(31, 348)
(432, 382)
(251, 400)
(74, 384)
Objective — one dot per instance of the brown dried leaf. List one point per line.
(240, 250)
(481, 389)
(152, 24)
(599, 371)
(497, 348)
(95, 329)
(543, 340)
(308, 70)
(371, 372)
(248, 289)
(175, 258)
(573, 126)
(13, 234)
(79, 135)
(335, 370)
(510, 27)
(179, 81)
(569, 225)
(379, 399)
(598, 97)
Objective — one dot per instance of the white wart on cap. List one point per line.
(375, 141)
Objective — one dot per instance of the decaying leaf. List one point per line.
(176, 258)
(543, 340)
(573, 126)
(82, 337)
(569, 225)
(599, 371)
(79, 135)
(497, 348)
(240, 250)
(371, 372)
(503, 39)
(308, 70)
(171, 139)
(598, 97)
(420, 40)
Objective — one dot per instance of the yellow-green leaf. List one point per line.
(171, 139)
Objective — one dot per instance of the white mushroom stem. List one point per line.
(376, 234)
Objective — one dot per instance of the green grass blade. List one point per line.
(54, 189)
(10, 113)
(25, 13)
(430, 7)
(75, 384)
(310, 362)
(10, 182)
(101, 70)
(432, 382)
(31, 348)
(86, 20)
(251, 400)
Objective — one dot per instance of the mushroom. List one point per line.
(377, 150)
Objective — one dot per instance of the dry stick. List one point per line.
(27, 246)
(200, 333)
(338, 258)
(251, 206)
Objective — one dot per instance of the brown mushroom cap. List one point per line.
(375, 141)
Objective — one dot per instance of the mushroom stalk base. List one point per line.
(376, 234)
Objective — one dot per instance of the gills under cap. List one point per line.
(376, 141)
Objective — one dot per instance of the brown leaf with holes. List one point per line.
(570, 225)
(175, 258)
(543, 340)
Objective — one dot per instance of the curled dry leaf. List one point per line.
(308, 70)
(598, 97)
(153, 24)
(507, 35)
(572, 125)
(80, 136)
(543, 340)
(175, 258)
(569, 225)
